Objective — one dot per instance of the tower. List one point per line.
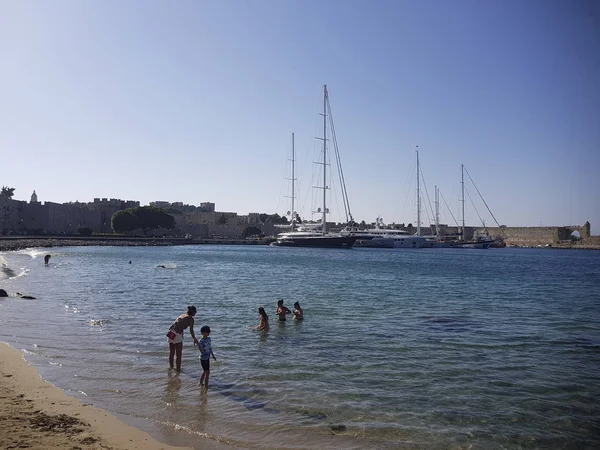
(34, 197)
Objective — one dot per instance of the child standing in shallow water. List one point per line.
(282, 310)
(205, 346)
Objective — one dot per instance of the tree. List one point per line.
(123, 221)
(145, 217)
(222, 219)
(251, 231)
(151, 218)
(7, 192)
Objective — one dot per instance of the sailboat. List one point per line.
(478, 241)
(302, 235)
(380, 237)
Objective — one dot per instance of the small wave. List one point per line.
(33, 252)
(22, 272)
(99, 322)
(29, 352)
(167, 266)
(189, 430)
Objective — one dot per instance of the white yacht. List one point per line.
(385, 238)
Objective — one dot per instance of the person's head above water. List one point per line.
(191, 310)
(280, 302)
(296, 305)
(3, 293)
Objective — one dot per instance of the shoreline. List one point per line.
(38, 415)
(14, 243)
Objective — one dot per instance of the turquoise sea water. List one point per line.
(428, 348)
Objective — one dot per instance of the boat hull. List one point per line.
(475, 244)
(316, 242)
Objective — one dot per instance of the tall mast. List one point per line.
(324, 219)
(293, 179)
(462, 198)
(418, 198)
(437, 211)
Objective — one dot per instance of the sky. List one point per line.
(195, 101)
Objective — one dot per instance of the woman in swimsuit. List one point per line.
(263, 320)
(175, 335)
(298, 313)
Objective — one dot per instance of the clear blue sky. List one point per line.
(195, 101)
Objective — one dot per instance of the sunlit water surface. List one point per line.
(431, 348)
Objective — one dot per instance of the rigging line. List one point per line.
(429, 219)
(449, 210)
(428, 200)
(408, 187)
(345, 200)
(475, 208)
(482, 199)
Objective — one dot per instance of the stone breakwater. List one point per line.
(18, 243)
(8, 244)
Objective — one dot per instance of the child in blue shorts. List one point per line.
(205, 347)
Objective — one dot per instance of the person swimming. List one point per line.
(298, 313)
(263, 320)
(3, 293)
(282, 310)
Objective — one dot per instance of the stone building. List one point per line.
(107, 207)
(20, 217)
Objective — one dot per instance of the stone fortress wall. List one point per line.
(538, 235)
(21, 217)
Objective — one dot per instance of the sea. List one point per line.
(398, 349)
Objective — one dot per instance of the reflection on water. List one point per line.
(172, 388)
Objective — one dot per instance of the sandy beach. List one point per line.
(37, 415)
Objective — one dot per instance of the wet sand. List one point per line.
(35, 415)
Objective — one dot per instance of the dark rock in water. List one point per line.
(340, 427)
(3, 293)
(253, 404)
